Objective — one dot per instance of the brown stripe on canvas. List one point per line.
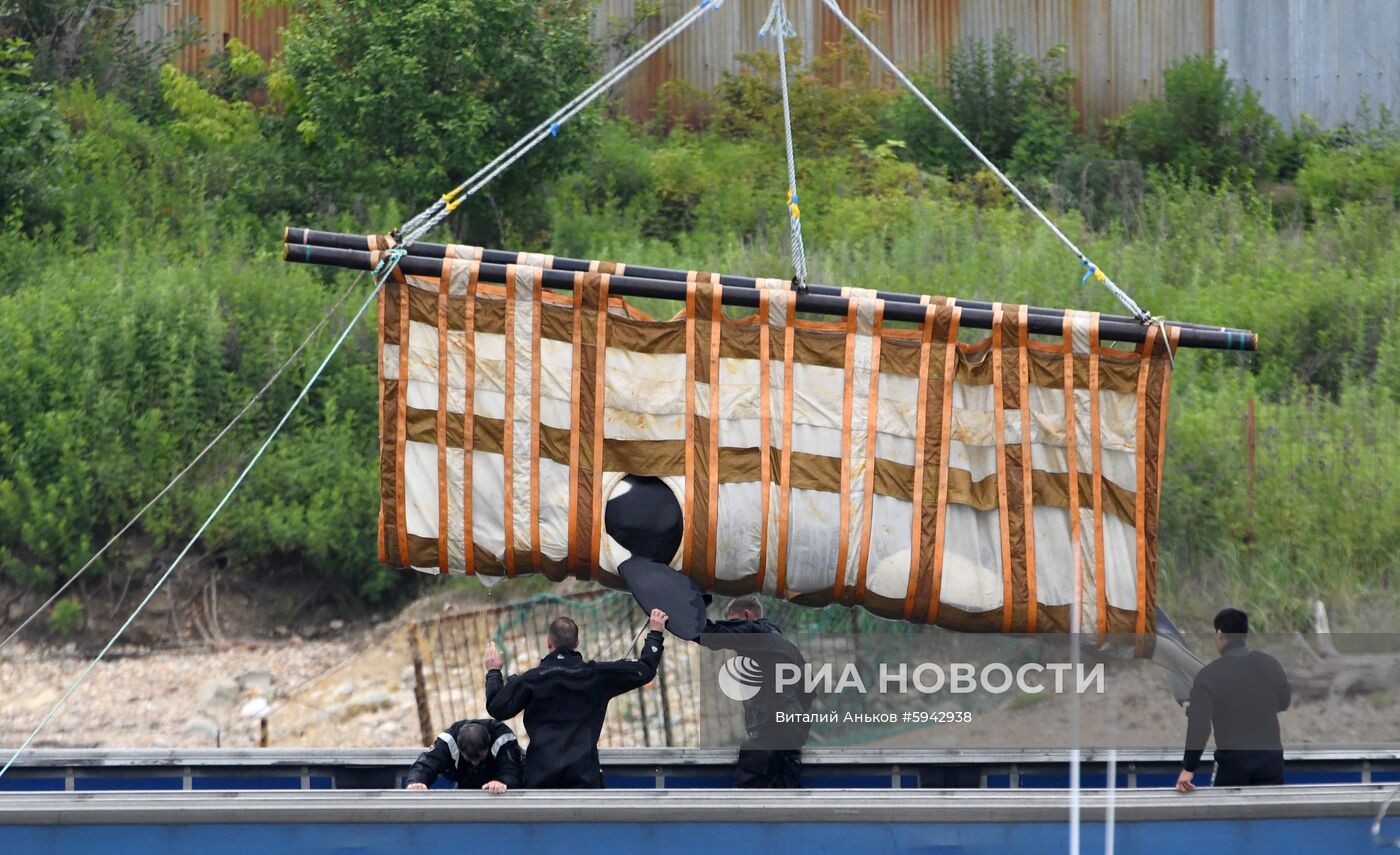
(1141, 454)
(872, 427)
(838, 587)
(716, 320)
(1095, 431)
(1027, 480)
(1162, 368)
(951, 358)
(916, 538)
(444, 281)
(536, 299)
(1076, 547)
(765, 443)
(379, 370)
(1017, 485)
(469, 419)
(584, 384)
(1003, 511)
(599, 406)
(509, 439)
(400, 506)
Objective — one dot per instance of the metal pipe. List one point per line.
(337, 240)
(1129, 331)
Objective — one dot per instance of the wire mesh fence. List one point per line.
(678, 708)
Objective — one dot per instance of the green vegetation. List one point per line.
(143, 298)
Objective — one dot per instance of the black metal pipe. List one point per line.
(339, 240)
(824, 304)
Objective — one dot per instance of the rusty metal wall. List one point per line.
(1326, 58)
(1117, 48)
(256, 23)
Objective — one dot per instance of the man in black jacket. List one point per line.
(1239, 695)
(771, 756)
(475, 754)
(564, 700)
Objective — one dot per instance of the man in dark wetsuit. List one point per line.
(564, 700)
(771, 756)
(475, 754)
(1239, 695)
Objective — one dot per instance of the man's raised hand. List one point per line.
(493, 658)
(658, 620)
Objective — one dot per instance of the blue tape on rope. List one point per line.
(1087, 274)
(554, 129)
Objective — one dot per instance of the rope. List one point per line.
(434, 214)
(1091, 269)
(391, 260)
(779, 25)
(257, 396)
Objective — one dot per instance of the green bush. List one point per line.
(32, 140)
(409, 97)
(67, 616)
(1016, 109)
(1206, 125)
(1331, 178)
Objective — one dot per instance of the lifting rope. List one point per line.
(779, 25)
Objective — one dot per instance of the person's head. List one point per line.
(1230, 625)
(746, 607)
(474, 741)
(563, 634)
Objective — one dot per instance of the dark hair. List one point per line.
(473, 740)
(1232, 622)
(747, 603)
(563, 633)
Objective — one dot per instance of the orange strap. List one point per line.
(785, 455)
(1140, 505)
(765, 440)
(576, 426)
(401, 420)
(1076, 548)
(444, 282)
(599, 415)
(872, 429)
(379, 367)
(1003, 507)
(950, 371)
(916, 533)
(1095, 441)
(712, 505)
(1027, 469)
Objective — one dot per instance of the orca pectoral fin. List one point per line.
(659, 586)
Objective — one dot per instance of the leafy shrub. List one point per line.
(1016, 109)
(409, 97)
(1331, 178)
(1206, 125)
(32, 139)
(830, 110)
(67, 616)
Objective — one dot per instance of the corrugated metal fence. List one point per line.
(256, 23)
(1322, 57)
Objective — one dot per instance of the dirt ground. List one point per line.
(352, 685)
